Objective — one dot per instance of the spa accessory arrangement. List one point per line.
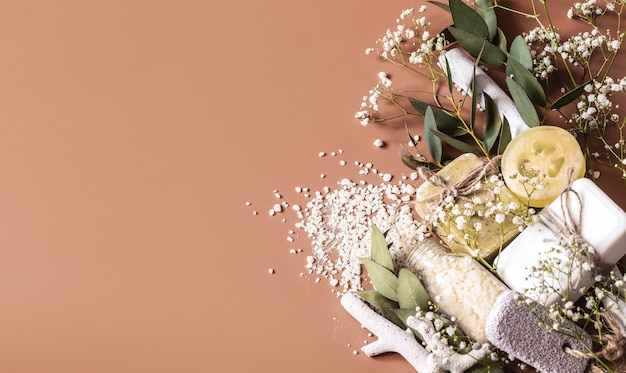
(516, 260)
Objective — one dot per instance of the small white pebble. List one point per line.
(271, 271)
(278, 207)
(322, 154)
(387, 177)
(379, 143)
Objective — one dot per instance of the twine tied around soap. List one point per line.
(464, 187)
(569, 227)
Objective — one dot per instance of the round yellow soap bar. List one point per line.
(535, 164)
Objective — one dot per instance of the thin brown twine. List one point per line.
(465, 186)
(613, 344)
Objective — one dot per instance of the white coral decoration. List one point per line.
(391, 338)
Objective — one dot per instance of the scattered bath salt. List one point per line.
(248, 203)
(277, 195)
(255, 212)
(342, 162)
(272, 212)
(387, 177)
(340, 151)
(271, 271)
(298, 189)
(296, 207)
(333, 154)
(322, 154)
(322, 176)
(277, 207)
(379, 143)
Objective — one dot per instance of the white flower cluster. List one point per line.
(590, 9)
(558, 268)
(409, 44)
(595, 107)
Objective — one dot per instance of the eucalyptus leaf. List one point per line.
(493, 123)
(411, 292)
(521, 52)
(441, 5)
(473, 44)
(505, 136)
(457, 144)
(485, 10)
(522, 103)
(500, 40)
(449, 79)
(432, 141)
(526, 80)
(380, 250)
(569, 96)
(384, 305)
(403, 314)
(382, 278)
(466, 19)
(409, 160)
(444, 122)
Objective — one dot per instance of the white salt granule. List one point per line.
(339, 221)
(321, 154)
(277, 207)
(379, 143)
(271, 271)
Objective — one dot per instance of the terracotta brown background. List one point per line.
(131, 135)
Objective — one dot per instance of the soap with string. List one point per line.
(542, 264)
(478, 222)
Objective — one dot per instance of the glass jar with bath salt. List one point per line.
(460, 286)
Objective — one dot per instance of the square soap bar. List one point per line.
(602, 225)
(492, 235)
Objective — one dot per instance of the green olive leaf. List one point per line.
(526, 80)
(568, 97)
(466, 19)
(521, 52)
(505, 136)
(473, 44)
(380, 250)
(383, 304)
(445, 122)
(411, 292)
(457, 144)
(522, 103)
(432, 141)
(485, 10)
(382, 278)
(493, 123)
